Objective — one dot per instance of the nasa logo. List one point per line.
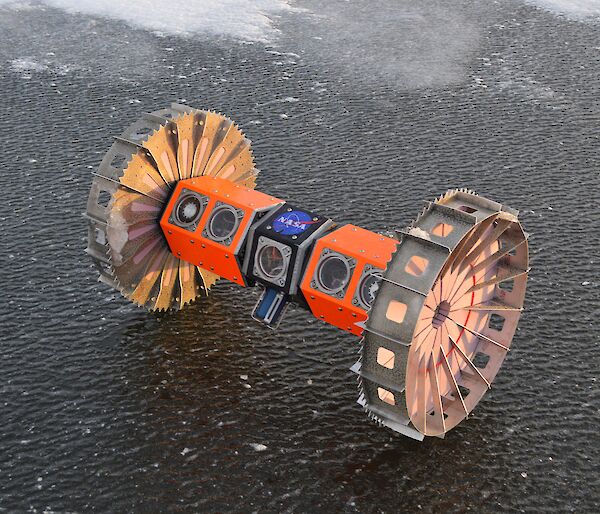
(292, 223)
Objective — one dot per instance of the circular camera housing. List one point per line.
(223, 223)
(188, 210)
(333, 273)
(368, 287)
(272, 261)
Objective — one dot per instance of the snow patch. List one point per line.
(574, 9)
(26, 65)
(258, 447)
(240, 19)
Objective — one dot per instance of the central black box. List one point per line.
(277, 246)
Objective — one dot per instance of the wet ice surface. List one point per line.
(108, 408)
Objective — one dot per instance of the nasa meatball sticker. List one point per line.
(292, 223)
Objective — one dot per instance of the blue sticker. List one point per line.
(293, 223)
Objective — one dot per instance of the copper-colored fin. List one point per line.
(493, 305)
(420, 419)
(141, 175)
(168, 280)
(212, 132)
(134, 207)
(469, 362)
(503, 273)
(142, 291)
(236, 168)
(480, 335)
(230, 145)
(502, 226)
(186, 125)
(418, 340)
(187, 283)
(436, 394)
(497, 256)
(208, 278)
(248, 179)
(465, 246)
(453, 385)
(162, 147)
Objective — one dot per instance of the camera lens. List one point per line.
(223, 223)
(333, 274)
(271, 262)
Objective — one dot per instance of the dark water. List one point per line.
(105, 407)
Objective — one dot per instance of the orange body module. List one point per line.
(343, 275)
(206, 222)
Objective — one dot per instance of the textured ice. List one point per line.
(240, 19)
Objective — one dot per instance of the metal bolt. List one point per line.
(179, 254)
(289, 209)
(315, 219)
(294, 237)
(354, 314)
(192, 241)
(340, 309)
(268, 227)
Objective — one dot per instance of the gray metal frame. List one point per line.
(106, 180)
(411, 290)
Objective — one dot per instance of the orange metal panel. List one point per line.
(365, 247)
(211, 255)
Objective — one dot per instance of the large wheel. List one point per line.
(131, 189)
(445, 315)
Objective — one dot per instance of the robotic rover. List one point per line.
(173, 208)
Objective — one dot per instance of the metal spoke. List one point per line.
(503, 273)
(464, 247)
(435, 391)
(453, 384)
(468, 361)
(497, 256)
(493, 305)
(501, 227)
(475, 333)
